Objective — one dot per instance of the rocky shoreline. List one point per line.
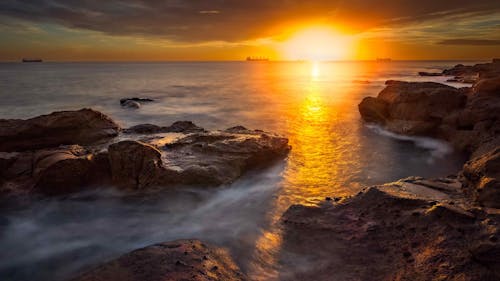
(68, 151)
(411, 229)
(415, 228)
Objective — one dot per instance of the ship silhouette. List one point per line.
(257, 59)
(31, 60)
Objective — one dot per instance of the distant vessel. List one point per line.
(32, 60)
(384, 59)
(257, 59)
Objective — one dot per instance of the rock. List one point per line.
(135, 99)
(134, 165)
(154, 156)
(374, 110)
(423, 73)
(474, 72)
(183, 127)
(82, 127)
(176, 127)
(487, 87)
(413, 108)
(131, 104)
(143, 129)
(203, 158)
(483, 177)
(390, 233)
(217, 158)
(177, 260)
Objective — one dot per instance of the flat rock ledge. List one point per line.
(65, 152)
(177, 260)
(414, 229)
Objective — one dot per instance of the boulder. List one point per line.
(131, 104)
(374, 110)
(134, 164)
(413, 108)
(82, 127)
(177, 260)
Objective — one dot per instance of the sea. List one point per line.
(314, 104)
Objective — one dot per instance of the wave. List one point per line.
(437, 148)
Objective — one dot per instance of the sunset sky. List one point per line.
(232, 30)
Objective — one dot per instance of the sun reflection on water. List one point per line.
(318, 157)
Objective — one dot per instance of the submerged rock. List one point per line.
(131, 104)
(398, 231)
(134, 103)
(82, 127)
(177, 260)
(135, 99)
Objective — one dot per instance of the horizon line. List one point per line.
(242, 60)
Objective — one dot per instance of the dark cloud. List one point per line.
(471, 42)
(230, 20)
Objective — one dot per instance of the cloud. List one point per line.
(470, 42)
(231, 20)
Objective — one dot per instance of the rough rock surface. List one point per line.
(414, 229)
(469, 118)
(146, 156)
(176, 127)
(202, 158)
(177, 260)
(83, 127)
(483, 174)
(413, 108)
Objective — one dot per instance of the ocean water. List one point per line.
(314, 104)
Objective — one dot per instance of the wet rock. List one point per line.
(83, 127)
(131, 104)
(220, 157)
(469, 118)
(135, 99)
(176, 127)
(134, 165)
(177, 260)
(390, 232)
(69, 169)
(200, 158)
(413, 108)
(482, 175)
(374, 110)
(147, 156)
(423, 73)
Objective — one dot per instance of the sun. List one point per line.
(319, 43)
